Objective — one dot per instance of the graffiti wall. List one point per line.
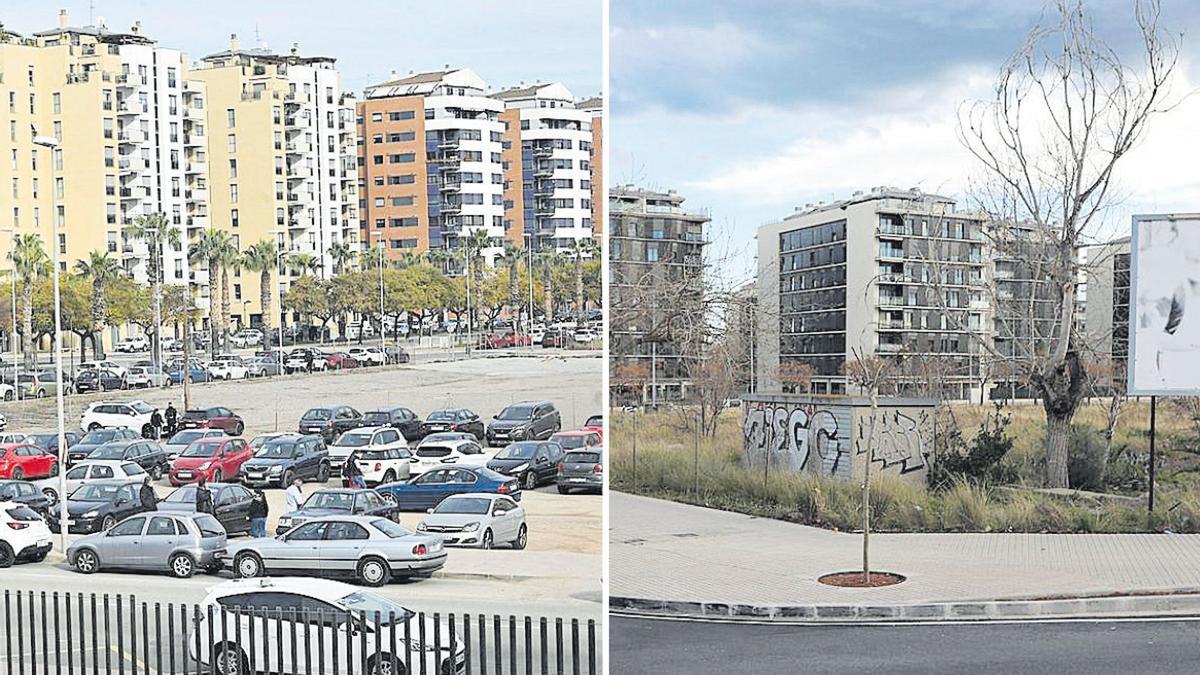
(834, 436)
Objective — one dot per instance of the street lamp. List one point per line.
(382, 331)
(279, 291)
(51, 144)
(156, 238)
(12, 233)
(529, 273)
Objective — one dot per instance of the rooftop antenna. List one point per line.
(257, 38)
(91, 12)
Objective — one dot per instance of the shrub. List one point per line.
(1086, 459)
(981, 460)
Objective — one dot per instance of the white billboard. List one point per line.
(1164, 305)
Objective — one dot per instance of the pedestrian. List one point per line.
(258, 514)
(156, 425)
(295, 496)
(146, 495)
(352, 473)
(172, 417)
(203, 497)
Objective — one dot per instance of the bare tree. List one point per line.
(870, 373)
(1065, 110)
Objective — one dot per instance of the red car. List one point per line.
(501, 341)
(213, 418)
(339, 360)
(574, 440)
(217, 458)
(595, 423)
(22, 460)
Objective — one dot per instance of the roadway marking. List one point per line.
(912, 622)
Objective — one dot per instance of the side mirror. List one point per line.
(542, 459)
(499, 512)
(428, 510)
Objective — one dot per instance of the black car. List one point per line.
(231, 504)
(24, 492)
(339, 501)
(395, 354)
(95, 507)
(531, 462)
(94, 439)
(453, 419)
(48, 440)
(524, 421)
(557, 338)
(147, 454)
(285, 458)
(398, 418)
(330, 421)
(93, 379)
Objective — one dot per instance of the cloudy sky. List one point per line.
(505, 43)
(752, 108)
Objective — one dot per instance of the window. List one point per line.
(309, 532)
(343, 530)
(160, 526)
(129, 528)
(56, 98)
(232, 143)
(233, 168)
(230, 118)
(233, 193)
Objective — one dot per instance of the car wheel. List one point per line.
(228, 376)
(229, 660)
(7, 558)
(389, 476)
(247, 566)
(286, 479)
(529, 481)
(182, 565)
(386, 664)
(564, 490)
(323, 473)
(238, 429)
(8, 396)
(41, 393)
(373, 572)
(51, 494)
(216, 477)
(156, 472)
(93, 426)
(522, 538)
(488, 542)
(389, 497)
(108, 523)
(54, 469)
(18, 473)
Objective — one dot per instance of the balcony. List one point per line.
(889, 348)
(891, 301)
(543, 171)
(543, 189)
(543, 151)
(895, 232)
(890, 253)
(293, 148)
(544, 208)
(195, 167)
(193, 141)
(451, 187)
(449, 143)
(451, 208)
(198, 222)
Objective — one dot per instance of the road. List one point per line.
(1094, 647)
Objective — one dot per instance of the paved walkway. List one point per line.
(662, 550)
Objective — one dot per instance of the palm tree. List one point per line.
(473, 245)
(340, 253)
(229, 257)
(440, 257)
(512, 258)
(261, 258)
(549, 260)
(370, 258)
(155, 230)
(30, 262)
(210, 248)
(580, 249)
(101, 269)
(304, 262)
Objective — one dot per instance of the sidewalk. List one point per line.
(666, 556)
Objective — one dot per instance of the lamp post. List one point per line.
(12, 235)
(467, 270)
(382, 331)
(51, 144)
(156, 239)
(529, 273)
(279, 291)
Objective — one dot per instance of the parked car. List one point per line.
(214, 459)
(434, 455)
(338, 502)
(340, 361)
(216, 417)
(94, 439)
(262, 366)
(396, 354)
(99, 380)
(196, 372)
(48, 440)
(28, 461)
(228, 368)
(527, 420)
(262, 439)
(266, 607)
(369, 549)
(130, 345)
(25, 493)
(103, 365)
(148, 454)
(231, 504)
(179, 442)
(504, 340)
(40, 385)
(429, 489)
(7, 391)
(477, 520)
(557, 338)
(531, 462)
(329, 421)
(23, 535)
(385, 465)
(573, 440)
(247, 337)
(363, 438)
(133, 414)
(170, 344)
(161, 542)
(303, 360)
(595, 423)
(399, 418)
(109, 470)
(581, 469)
(453, 419)
(281, 460)
(96, 507)
(446, 437)
(141, 377)
(12, 437)
(585, 336)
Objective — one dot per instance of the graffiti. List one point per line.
(898, 441)
(800, 437)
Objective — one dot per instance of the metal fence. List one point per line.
(50, 632)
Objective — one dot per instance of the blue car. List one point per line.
(430, 488)
(198, 374)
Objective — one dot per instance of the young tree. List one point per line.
(869, 372)
(101, 270)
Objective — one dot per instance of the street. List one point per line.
(1095, 647)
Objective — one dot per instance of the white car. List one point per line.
(462, 451)
(228, 368)
(367, 356)
(13, 437)
(383, 453)
(247, 338)
(258, 603)
(585, 335)
(147, 376)
(7, 391)
(113, 366)
(91, 470)
(134, 415)
(23, 534)
(129, 345)
(478, 520)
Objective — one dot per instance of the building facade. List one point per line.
(656, 271)
(1102, 303)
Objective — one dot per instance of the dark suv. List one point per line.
(285, 458)
(148, 455)
(453, 419)
(329, 421)
(213, 418)
(524, 421)
(398, 418)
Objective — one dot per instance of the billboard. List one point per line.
(1164, 305)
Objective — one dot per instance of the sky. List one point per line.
(750, 109)
(506, 43)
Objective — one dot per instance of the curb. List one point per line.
(1080, 607)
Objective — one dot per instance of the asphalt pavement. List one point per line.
(1033, 648)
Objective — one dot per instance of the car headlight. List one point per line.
(520, 467)
(277, 469)
(90, 514)
(421, 526)
(205, 466)
(471, 527)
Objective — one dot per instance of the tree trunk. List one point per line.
(1062, 390)
(214, 299)
(264, 299)
(27, 324)
(866, 488)
(548, 295)
(514, 291)
(224, 309)
(579, 288)
(1057, 431)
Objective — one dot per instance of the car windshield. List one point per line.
(260, 441)
(200, 450)
(442, 437)
(209, 526)
(370, 604)
(516, 413)
(23, 513)
(351, 439)
(277, 450)
(443, 415)
(374, 418)
(594, 421)
(581, 458)
(570, 442)
(335, 501)
(473, 505)
(390, 528)
(39, 439)
(317, 414)
(182, 437)
(518, 451)
(95, 493)
(141, 407)
(110, 451)
(182, 495)
(433, 451)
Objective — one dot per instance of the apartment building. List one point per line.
(550, 169)
(656, 271)
(1102, 302)
(431, 162)
(280, 156)
(881, 273)
(114, 101)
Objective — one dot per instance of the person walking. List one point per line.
(204, 502)
(258, 514)
(156, 425)
(172, 417)
(295, 496)
(147, 497)
(352, 473)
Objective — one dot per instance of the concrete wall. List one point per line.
(833, 436)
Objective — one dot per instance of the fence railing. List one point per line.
(270, 632)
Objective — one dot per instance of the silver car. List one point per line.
(182, 439)
(370, 549)
(478, 520)
(172, 542)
